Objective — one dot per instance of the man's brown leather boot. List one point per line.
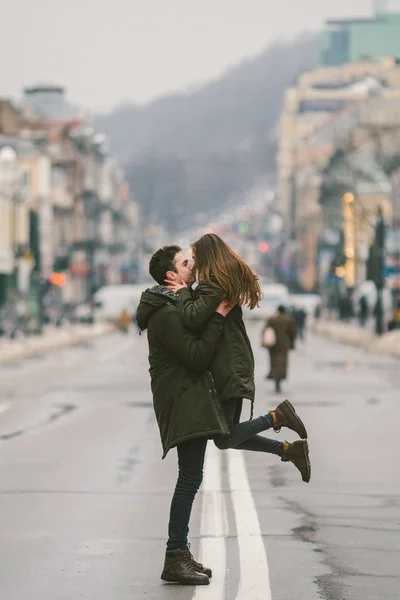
(198, 566)
(179, 568)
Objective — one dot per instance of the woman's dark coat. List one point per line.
(232, 366)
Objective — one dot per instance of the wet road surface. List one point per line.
(84, 495)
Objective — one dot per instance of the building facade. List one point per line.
(349, 40)
(329, 110)
(68, 220)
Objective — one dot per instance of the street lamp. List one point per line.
(348, 198)
(379, 281)
(349, 238)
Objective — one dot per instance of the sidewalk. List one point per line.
(389, 343)
(51, 339)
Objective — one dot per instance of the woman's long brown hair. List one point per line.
(219, 266)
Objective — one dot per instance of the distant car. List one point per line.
(308, 302)
(368, 290)
(111, 300)
(274, 294)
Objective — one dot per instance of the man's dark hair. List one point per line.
(281, 309)
(163, 261)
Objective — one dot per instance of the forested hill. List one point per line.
(191, 151)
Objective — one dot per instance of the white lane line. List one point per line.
(254, 573)
(214, 527)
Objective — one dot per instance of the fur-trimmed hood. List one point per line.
(151, 301)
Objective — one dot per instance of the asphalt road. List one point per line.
(84, 495)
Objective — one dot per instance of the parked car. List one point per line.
(110, 301)
(274, 294)
(368, 290)
(308, 302)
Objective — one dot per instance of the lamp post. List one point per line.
(349, 238)
(379, 279)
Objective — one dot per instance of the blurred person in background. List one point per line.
(284, 329)
(125, 320)
(317, 312)
(300, 318)
(362, 310)
(346, 310)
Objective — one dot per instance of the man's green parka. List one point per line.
(184, 397)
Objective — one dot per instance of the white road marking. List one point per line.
(254, 573)
(4, 406)
(214, 527)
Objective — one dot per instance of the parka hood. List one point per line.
(151, 301)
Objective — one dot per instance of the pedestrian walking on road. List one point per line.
(362, 310)
(185, 403)
(300, 319)
(222, 275)
(284, 331)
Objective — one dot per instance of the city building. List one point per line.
(350, 40)
(49, 101)
(317, 97)
(68, 222)
(8, 179)
(329, 109)
(23, 209)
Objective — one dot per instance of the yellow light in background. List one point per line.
(348, 198)
(349, 238)
(350, 272)
(340, 271)
(347, 212)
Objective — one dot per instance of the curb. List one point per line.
(387, 344)
(20, 349)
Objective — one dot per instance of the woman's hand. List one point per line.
(223, 309)
(176, 285)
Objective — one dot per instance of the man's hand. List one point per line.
(224, 309)
(175, 285)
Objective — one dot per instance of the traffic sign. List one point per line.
(390, 271)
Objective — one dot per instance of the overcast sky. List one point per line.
(112, 51)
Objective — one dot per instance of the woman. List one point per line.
(222, 275)
(285, 336)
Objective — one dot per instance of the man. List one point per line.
(285, 334)
(185, 401)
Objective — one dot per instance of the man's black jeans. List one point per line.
(190, 461)
(191, 454)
